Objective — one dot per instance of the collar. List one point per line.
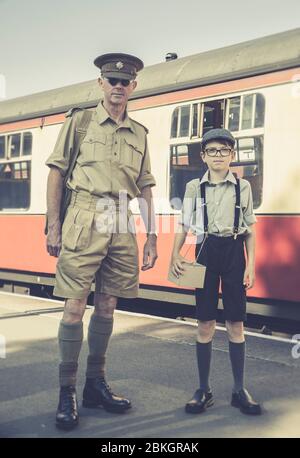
(229, 177)
(102, 116)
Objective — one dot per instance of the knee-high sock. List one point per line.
(204, 358)
(70, 338)
(100, 330)
(237, 358)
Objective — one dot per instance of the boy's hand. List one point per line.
(249, 277)
(177, 265)
(150, 253)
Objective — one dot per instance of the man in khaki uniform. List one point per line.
(97, 238)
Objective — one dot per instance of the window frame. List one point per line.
(5, 147)
(253, 131)
(21, 158)
(199, 111)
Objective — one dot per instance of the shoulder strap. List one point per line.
(237, 208)
(72, 111)
(140, 124)
(80, 132)
(203, 199)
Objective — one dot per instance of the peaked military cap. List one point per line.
(218, 134)
(118, 65)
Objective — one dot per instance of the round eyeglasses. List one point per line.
(212, 152)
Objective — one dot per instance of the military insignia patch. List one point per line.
(119, 65)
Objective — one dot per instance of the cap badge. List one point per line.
(119, 65)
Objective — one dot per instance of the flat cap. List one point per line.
(118, 65)
(218, 134)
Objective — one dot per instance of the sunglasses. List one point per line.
(115, 81)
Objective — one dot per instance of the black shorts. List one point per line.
(224, 259)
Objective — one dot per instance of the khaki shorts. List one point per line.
(91, 250)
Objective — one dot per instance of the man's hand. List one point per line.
(54, 239)
(177, 265)
(150, 252)
(249, 277)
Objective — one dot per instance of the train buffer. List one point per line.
(151, 361)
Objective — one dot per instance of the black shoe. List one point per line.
(245, 403)
(97, 393)
(67, 410)
(199, 402)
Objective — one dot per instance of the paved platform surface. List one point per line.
(152, 361)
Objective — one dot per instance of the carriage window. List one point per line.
(234, 113)
(174, 126)
(185, 165)
(27, 143)
(184, 121)
(253, 112)
(15, 171)
(14, 142)
(2, 147)
(246, 149)
(195, 120)
(15, 185)
(180, 126)
(247, 111)
(213, 117)
(259, 111)
(249, 165)
(242, 112)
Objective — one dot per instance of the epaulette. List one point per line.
(72, 111)
(142, 125)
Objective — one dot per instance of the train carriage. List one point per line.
(252, 88)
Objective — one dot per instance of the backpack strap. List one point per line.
(80, 133)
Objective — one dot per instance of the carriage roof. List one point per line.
(262, 55)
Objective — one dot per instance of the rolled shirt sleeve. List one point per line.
(145, 177)
(60, 156)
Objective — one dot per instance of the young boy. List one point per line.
(227, 224)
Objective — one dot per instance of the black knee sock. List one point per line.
(237, 358)
(203, 358)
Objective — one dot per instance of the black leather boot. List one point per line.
(67, 410)
(199, 402)
(244, 401)
(97, 393)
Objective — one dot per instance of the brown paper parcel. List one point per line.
(192, 277)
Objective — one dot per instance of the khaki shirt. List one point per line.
(112, 157)
(220, 199)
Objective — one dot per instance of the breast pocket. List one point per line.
(132, 155)
(93, 149)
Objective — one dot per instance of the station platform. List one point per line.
(151, 361)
